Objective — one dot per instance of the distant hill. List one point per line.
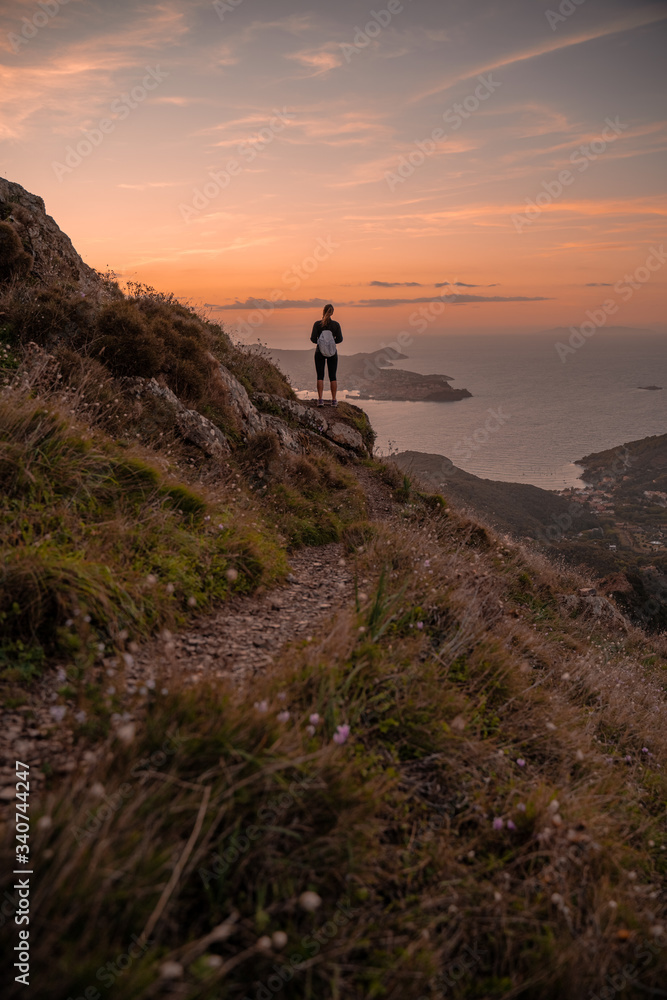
(645, 466)
(518, 508)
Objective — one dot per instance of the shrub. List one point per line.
(14, 261)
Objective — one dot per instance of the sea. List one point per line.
(532, 415)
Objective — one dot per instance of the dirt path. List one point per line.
(244, 637)
(239, 641)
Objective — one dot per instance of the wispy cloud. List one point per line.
(395, 284)
(637, 19)
(318, 61)
(259, 303)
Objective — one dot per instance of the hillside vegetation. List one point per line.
(455, 788)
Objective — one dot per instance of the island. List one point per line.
(371, 375)
(650, 387)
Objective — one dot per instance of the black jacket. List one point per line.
(333, 326)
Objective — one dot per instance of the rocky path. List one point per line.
(237, 642)
(245, 636)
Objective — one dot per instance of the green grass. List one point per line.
(96, 542)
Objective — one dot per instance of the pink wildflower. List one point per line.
(341, 734)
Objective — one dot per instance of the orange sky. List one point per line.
(404, 146)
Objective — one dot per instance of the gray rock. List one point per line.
(327, 425)
(251, 419)
(192, 425)
(55, 259)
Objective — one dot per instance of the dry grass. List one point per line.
(493, 827)
(462, 661)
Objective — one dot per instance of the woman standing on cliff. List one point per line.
(326, 334)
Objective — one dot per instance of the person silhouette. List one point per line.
(327, 334)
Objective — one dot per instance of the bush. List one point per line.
(14, 261)
(126, 344)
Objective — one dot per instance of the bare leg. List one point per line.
(320, 388)
(334, 389)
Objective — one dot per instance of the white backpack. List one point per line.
(326, 344)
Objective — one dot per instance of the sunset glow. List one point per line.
(304, 153)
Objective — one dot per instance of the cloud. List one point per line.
(453, 299)
(318, 60)
(463, 284)
(418, 284)
(267, 304)
(395, 284)
(372, 303)
(599, 284)
(634, 20)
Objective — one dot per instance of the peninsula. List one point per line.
(371, 375)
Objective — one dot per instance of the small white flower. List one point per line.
(171, 970)
(126, 733)
(310, 901)
(279, 939)
(58, 712)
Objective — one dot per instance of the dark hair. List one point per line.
(326, 315)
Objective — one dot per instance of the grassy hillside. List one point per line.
(455, 788)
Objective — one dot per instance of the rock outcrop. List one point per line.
(54, 257)
(327, 425)
(193, 426)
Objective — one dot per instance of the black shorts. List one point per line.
(331, 363)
